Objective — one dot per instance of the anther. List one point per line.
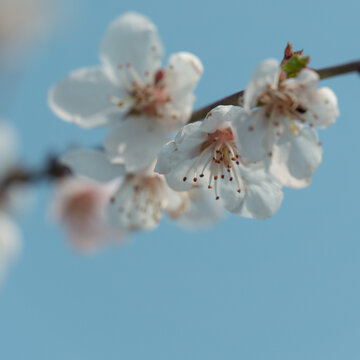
(217, 198)
(184, 178)
(195, 179)
(215, 177)
(201, 175)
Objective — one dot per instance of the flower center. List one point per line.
(147, 96)
(141, 199)
(283, 102)
(218, 155)
(82, 206)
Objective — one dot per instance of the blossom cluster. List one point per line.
(154, 161)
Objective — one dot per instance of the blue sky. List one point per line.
(284, 288)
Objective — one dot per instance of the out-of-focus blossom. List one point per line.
(10, 243)
(140, 198)
(207, 153)
(281, 128)
(80, 204)
(131, 92)
(21, 23)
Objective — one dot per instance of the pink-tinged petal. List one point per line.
(132, 39)
(262, 194)
(84, 97)
(136, 142)
(80, 205)
(266, 74)
(93, 164)
(324, 109)
(295, 158)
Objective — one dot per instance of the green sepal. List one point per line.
(295, 64)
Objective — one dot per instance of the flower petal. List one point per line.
(183, 73)
(263, 195)
(324, 111)
(92, 164)
(265, 74)
(220, 117)
(295, 158)
(136, 142)
(132, 39)
(84, 98)
(202, 210)
(252, 132)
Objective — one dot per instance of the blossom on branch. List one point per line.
(280, 130)
(207, 153)
(141, 101)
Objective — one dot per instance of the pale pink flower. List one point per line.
(80, 205)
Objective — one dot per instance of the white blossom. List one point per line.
(280, 130)
(131, 91)
(207, 153)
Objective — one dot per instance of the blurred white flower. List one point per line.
(10, 239)
(10, 242)
(131, 92)
(80, 205)
(206, 153)
(139, 199)
(21, 23)
(281, 128)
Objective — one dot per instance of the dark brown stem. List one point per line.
(233, 99)
(52, 170)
